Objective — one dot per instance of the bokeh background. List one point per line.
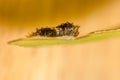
(88, 61)
(40, 12)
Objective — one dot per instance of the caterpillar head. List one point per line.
(33, 34)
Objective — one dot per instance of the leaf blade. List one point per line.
(91, 37)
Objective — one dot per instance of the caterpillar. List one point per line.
(65, 29)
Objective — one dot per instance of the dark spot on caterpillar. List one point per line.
(65, 29)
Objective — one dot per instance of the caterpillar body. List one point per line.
(65, 29)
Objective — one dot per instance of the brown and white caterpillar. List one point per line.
(65, 29)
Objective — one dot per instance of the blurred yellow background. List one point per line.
(42, 12)
(89, 61)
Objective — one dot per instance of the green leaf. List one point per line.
(91, 37)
